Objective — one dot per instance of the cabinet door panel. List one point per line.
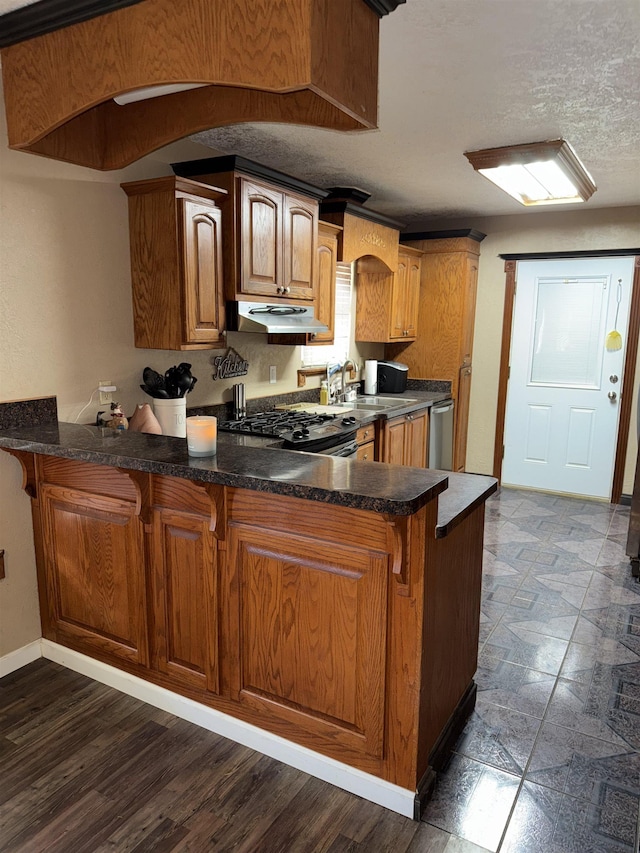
(95, 563)
(393, 441)
(412, 297)
(398, 295)
(366, 452)
(204, 307)
(186, 599)
(469, 311)
(326, 290)
(313, 633)
(299, 246)
(462, 420)
(417, 441)
(261, 211)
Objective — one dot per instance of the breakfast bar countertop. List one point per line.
(253, 463)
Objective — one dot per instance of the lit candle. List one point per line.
(202, 432)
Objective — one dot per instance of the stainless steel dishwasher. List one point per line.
(441, 435)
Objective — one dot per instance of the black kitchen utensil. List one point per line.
(153, 381)
(156, 393)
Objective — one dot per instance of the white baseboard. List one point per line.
(341, 775)
(19, 658)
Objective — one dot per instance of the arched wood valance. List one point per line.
(309, 62)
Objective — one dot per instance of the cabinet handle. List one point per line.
(279, 289)
(287, 290)
(365, 457)
(366, 433)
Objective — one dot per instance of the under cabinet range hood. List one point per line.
(280, 319)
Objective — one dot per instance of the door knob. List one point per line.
(612, 396)
(613, 378)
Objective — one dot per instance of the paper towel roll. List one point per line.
(371, 376)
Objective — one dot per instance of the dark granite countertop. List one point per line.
(465, 494)
(242, 462)
(257, 463)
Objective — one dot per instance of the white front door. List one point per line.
(563, 398)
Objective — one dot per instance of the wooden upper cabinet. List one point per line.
(175, 233)
(202, 283)
(326, 270)
(468, 313)
(443, 346)
(406, 294)
(299, 246)
(276, 241)
(387, 302)
(270, 229)
(446, 315)
(261, 230)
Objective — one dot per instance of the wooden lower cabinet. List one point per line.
(405, 440)
(95, 572)
(366, 441)
(338, 629)
(312, 633)
(186, 607)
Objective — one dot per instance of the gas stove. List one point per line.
(297, 430)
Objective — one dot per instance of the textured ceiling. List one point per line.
(457, 75)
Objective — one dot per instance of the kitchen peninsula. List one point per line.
(330, 602)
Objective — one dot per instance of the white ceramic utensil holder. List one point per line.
(172, 416)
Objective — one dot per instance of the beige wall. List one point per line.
(66, 323)
(570, 230)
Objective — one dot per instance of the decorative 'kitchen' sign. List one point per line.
(229, 365)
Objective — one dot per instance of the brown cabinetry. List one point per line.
(312, 633)
(340, 629)
(387, 302)
(405, 440)
(366, 441)
(175, 232)
(325, 305)
(270, 229)
(95, 570)
(443, 348)
(276, 241)
(183, 567)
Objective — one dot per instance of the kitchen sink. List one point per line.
(376, 404)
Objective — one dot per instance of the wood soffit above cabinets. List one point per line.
(312, 62)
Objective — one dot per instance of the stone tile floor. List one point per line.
(549, 762)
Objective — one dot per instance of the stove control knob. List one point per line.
(304, 431)
(297, 434)
(349, 421)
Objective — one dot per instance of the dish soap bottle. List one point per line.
(324, 393)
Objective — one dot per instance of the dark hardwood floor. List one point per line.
(85, 768)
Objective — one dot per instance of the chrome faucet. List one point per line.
(332, 370)
(348, 362)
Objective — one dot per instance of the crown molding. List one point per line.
(45, 16)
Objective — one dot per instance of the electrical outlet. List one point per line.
(272, 374)
(104, 395)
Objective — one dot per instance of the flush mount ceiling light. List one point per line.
(536, 173)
